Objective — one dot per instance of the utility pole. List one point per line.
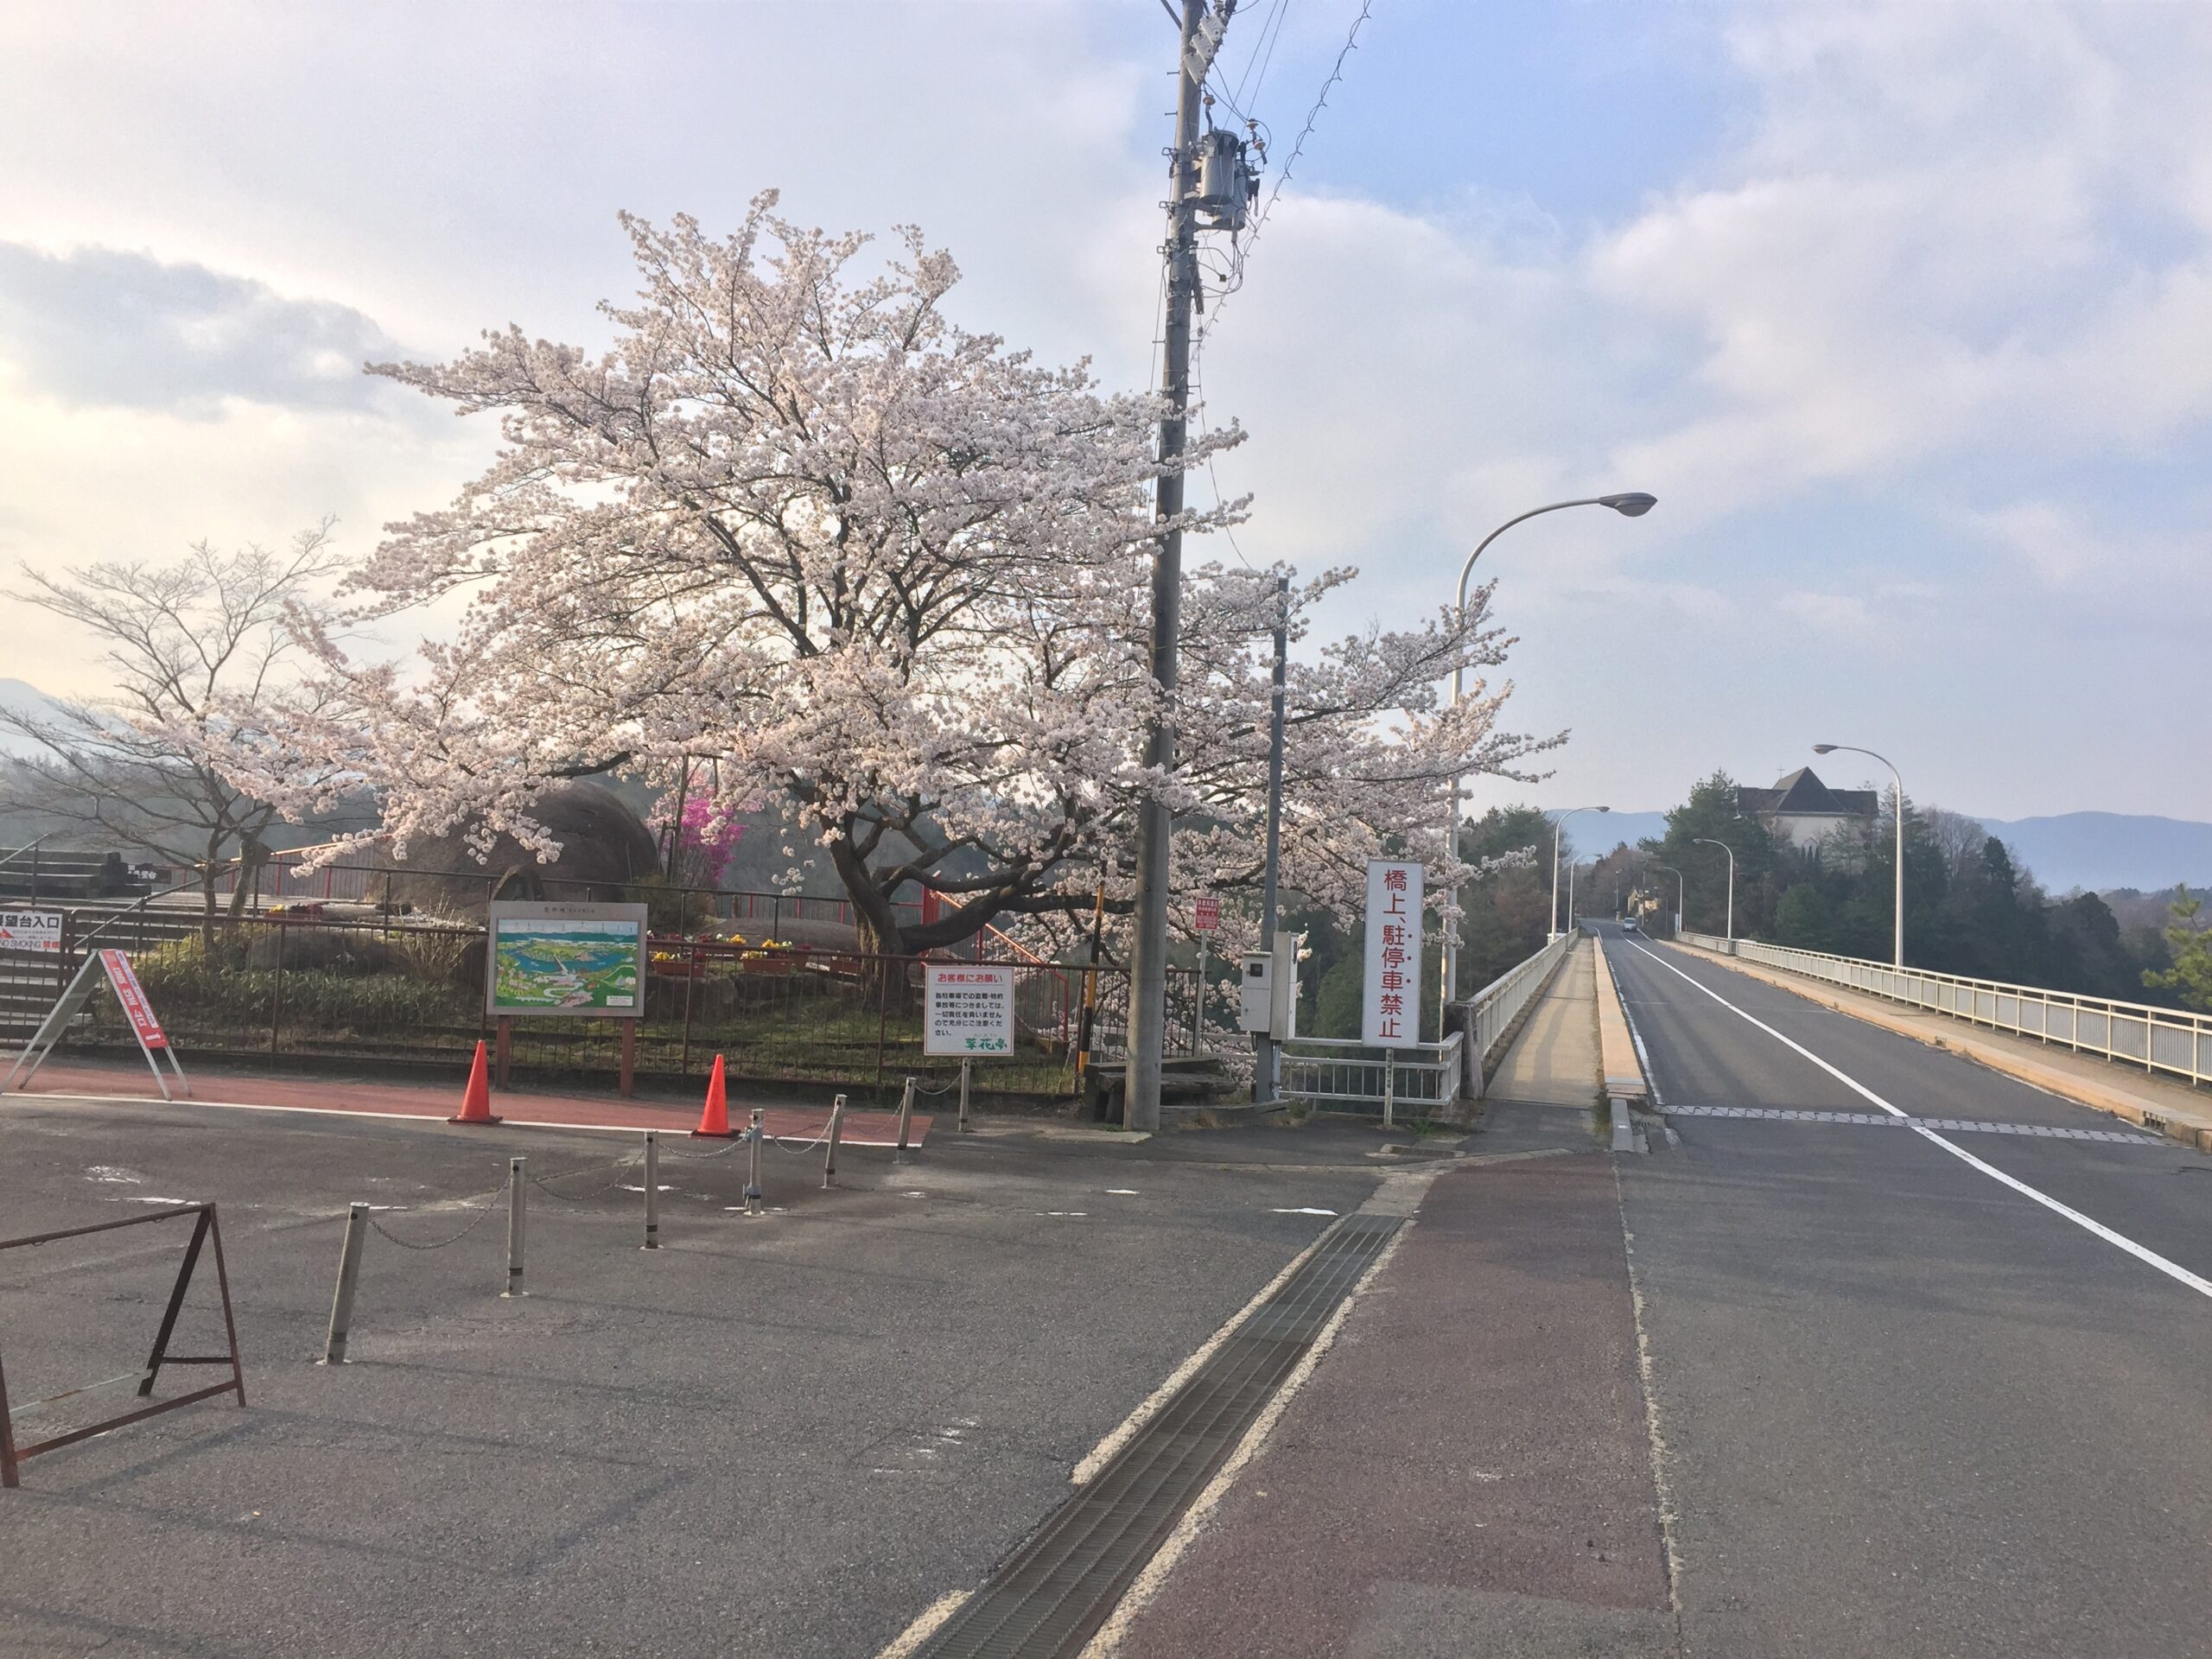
(1264, 1073)
(1155, 824)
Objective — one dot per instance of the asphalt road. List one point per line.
(786, 1435)
(1902, 1407)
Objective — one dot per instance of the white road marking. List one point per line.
(1963, 1125)
(2172, 1269)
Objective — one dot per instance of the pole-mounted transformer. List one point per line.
(1228, 183)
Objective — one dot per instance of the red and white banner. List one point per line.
(1390, 1007)
(133, 996)
(1205, 913)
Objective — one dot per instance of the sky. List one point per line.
(1903, 310)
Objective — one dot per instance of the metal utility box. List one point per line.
(1269, 1005)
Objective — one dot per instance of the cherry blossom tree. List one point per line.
(798, 521)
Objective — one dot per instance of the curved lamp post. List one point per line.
(1630, 504)
(1847, 748)
(1682, 889)
(1702, 841)
(1556, 822)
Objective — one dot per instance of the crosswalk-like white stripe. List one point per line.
(1968, 1125)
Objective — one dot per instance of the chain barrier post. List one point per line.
(905, 1117)
(349, 1276)
(753, 1186)
(967, 1070)
(652, 1191)
(830, 1136)
(517, 1187)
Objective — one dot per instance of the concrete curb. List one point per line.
(2190, 1125)
(1618, 1061)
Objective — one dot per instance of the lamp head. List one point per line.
(1823, 748)
(1632, 504)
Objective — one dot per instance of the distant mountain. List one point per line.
(2100, 850)
(21, 697)
(1595, 834)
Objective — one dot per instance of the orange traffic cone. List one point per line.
(714, 1119)
(476, 1099)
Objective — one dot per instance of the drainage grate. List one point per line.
(1050, 1597)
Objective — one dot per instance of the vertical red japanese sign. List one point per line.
(1390, 1009)
(128, 992)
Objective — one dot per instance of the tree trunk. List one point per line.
(881, 941)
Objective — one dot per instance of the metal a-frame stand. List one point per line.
(98, 967)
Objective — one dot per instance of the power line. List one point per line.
(1297, 149)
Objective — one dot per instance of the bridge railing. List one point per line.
(2170, 1040)
(1492, 1010)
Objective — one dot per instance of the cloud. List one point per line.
(103, 328)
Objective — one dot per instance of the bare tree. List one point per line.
(193, 647)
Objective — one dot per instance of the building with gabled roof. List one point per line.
(1804, 810)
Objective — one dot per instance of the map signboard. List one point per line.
(566, 959)
(30, 929)
(967, 1009)
(1391, 1007)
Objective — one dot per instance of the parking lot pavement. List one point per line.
(786, 1434)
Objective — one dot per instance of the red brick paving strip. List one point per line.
(1476, 1437)
(868, 1128)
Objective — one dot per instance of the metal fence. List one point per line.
(1343, 1071)
(388, 993)
(282, 880)
(2167, 1040)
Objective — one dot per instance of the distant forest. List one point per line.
(1969, 909)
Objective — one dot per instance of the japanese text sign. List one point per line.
(30, 929)
(1390, 999)
(968, 1009)
(1205, 913)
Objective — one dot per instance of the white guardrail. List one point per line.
(1344, 1070)
(2126, 1033)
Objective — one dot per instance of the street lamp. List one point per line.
(1630, 504)
(1702, 841)
(1556, 822)
(1681, 889)
(1830, 748)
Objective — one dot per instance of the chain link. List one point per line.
(490, 1204)
(621, 1168)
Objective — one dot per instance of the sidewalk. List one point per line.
(2176, 1109)
(58, 1081)
(1544, 1089)
(1468, 1469)
(1553, 1062)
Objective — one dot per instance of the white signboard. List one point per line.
(1390, 1003)
(967, 1010)
(30, 929)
